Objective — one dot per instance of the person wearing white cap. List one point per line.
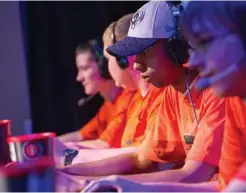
(189, 125)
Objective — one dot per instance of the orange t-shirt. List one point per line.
(234, 143)
(108, 112)
(176, 119)
(141, 111)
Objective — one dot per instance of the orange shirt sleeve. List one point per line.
(209, 136)
(234, 143)
(134, 115)
(148, 116)
(114, 131)
(96, 125)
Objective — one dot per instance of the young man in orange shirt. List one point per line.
(126, 77)
(94, 76)
(187, 122)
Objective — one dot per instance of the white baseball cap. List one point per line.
(151, 22)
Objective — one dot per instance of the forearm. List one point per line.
(182, 187)
(180, 175)
(92, 144)
(91, 155)
(123, 164)
(70, 137)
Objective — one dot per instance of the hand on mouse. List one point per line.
(114, 184)
(69, 183)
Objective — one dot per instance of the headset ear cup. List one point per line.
(123, 62)
(177, 50)
(102, 62)
(106, 73)
(103, 69)
(182, 48)
(177, 47)
(169, 49)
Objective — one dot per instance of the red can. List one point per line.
(32, 146)
(4, 134)
(31, 176)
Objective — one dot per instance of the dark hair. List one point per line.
(230, 14)
(86, 47)
(94, 47)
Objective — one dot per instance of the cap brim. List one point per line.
(130, 46)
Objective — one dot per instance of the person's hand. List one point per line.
(69, 183)
(114, 184)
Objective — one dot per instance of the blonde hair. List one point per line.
(119, 27)
(229, 14)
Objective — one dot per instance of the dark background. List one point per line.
(51, 31)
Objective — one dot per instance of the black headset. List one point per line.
(102, 62)
(177, 47)
(122, 61)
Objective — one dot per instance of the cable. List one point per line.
(190, 96)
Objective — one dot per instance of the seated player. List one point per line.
(94, 76)
(125, 76)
